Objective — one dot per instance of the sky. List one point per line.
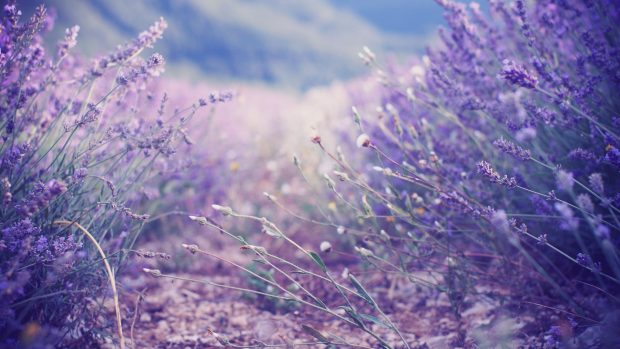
(295, 44)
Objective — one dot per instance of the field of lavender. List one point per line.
(465, 197)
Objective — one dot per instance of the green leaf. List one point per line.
(375, 320)
(315, 333)
(271, 230)
(319, 302)
(317, 259)
(408, 203)
(354, 316)
(361, 291)
(366, 206)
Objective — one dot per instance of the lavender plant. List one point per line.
(76, 150)
(495, 155)
(493, 161)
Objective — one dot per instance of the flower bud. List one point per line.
(191, 248)
(325, 247)
(269, 196)
(200, 220)
(364, 251)
(153, 272)
(225, 210)
(363, 141)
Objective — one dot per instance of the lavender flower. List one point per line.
(596, 183)
(602, 232)
(69, 42)
(569, 221)
(517, 75)
(16, 234)
(499, 219)
(512, 149)
(564, 180)
(486, 170)
(155, 65)
(80, 174)
(91, 115)
(582, 259)
(40, 196)
(553, 337)
(64, 244)
(585, 203)
(542, 239)
(12, 156)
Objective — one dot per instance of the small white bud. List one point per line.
(356, 115)
(153, 272)
(363, 141)
(417, 198)
(225, 210)
(296, 160)
(325, 247)
(341, 176)
(369, 53)
(259, 250)
(269, 196)
(363, 251)
(384, 235)
(191, 248)
(410, 95)
(341, 230)
(200, 220)
(340, 154)
(330, 183)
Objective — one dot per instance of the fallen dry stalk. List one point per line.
(108, 269)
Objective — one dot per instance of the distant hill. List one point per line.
(295, 44)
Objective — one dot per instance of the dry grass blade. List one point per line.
(111, 278)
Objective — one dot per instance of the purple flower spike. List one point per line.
(517, 75)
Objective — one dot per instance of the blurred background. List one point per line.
(289, 44)
(293, 66)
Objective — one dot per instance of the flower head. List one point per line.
(565, 180)
(363, 141)
(325, 246)
(517, 75)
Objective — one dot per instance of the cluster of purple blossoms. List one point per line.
(40, 197)
(13, 155)
(512, 149)
(486, 170)
(69, 42)
(63, 138)
(14, 236)
(517, 75)
(539, 74)
(146, 39)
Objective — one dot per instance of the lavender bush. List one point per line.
(486, 170)
(504, 137)
(81, 144)
(492, 161)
